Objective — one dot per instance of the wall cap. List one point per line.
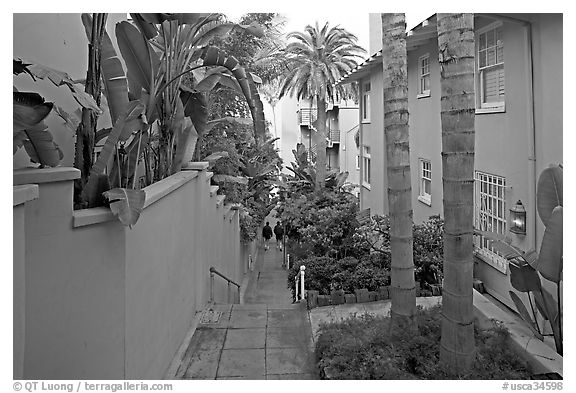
(24, 193)
(541, 357)
(196, 166)
(44, 175)
(154, 192)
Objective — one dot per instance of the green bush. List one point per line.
(427, 245)
(364, 348)
(325, 274)
(320, 223)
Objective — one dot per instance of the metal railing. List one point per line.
(306, 116)
(213, 272)
(299, 284)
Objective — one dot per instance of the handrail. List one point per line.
(213, 271)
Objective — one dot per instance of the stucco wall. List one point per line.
(289, 129)
(21, 196)
(502, 139)
(425, 131)
(348, 123)
(372, 134)
(107, 302)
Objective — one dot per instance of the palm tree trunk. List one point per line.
(456, 45)
(395, 88)
(321, 144)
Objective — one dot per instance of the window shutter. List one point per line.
(494, 84)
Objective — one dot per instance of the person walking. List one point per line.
(279, 232)
(266, 234)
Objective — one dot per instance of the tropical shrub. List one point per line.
(428, 246)
(320, 223)
(363, 348)
(324, 274)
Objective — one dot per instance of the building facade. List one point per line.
(342, 133)
(518, 126)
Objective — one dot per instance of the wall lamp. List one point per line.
(518, 219)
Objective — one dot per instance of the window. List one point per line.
(425, 194)
(366, 166)
(489, 215)
(424, 74)
(357, 161)
(366, 103)
(490, 68)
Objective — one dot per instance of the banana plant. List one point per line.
(30, 110)
(153, 111)
(526, 267)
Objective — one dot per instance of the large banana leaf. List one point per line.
(549, 262)
(130, 121)
(212, 56)
(60, 78)
(141, 60)
(523, 312)
(196, 108)
(114, 78)
(185, 137)
(523, 277)
(551, 307)
(28, 112)
(549, 192)
(126, 204)
(41, 148)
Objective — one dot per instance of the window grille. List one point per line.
(489, 215)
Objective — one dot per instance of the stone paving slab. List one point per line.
(287, 361)
(248, 318)
(267, 337)
(248, 363)
(203, 364)
(285, 318)
(283, 337)
(245, 338)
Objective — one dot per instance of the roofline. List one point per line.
(376, 58)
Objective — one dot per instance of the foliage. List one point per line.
(527, 266)
(325, 274)
(155, 115)
(246, 175)
(429, 251)
(317, 58)
(321, 223)
(428, 245)
(363, 348)
(30, 110)
(30, 131)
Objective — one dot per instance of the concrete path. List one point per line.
(268, 337)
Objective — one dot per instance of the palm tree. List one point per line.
(395, 88)
(456, 46)
(317, 59)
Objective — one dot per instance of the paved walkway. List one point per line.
(267, 337)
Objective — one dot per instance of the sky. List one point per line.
(355, 21)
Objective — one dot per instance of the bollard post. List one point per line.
(302, 268)
(211, 287)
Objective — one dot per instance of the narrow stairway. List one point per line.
(267, 337)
